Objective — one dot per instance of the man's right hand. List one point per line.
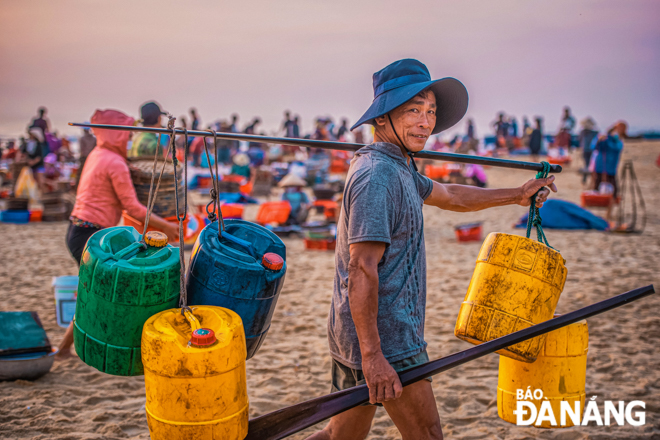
(382, 380)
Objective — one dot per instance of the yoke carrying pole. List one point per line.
(330, 145)
(284, 422)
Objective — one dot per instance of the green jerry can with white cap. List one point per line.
(122, 283)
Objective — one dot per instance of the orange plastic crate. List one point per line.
(560, 160)
(231, 210)
(274, 212)
(35, 216)
(332, 214)
(437, 171)
(247, 188)
(330, 208)
(339, 166)
(595, 199)
(204, 181)
(320, 245)
(468, 232)
(234, 178)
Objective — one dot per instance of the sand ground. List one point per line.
(75, 401)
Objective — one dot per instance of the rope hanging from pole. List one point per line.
(221, 226)
(216, 214)
(534, 218)
(151, 201)
(183, 294)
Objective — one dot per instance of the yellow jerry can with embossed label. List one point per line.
(194, 374)
(516, 284)
(560, 372)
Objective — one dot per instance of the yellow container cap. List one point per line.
(155, 239)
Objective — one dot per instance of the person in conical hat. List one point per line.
(241, 165)
(587, 141)
(588, 123)
(241, 159)
(293, 193)
(292, 180)
(377, 313)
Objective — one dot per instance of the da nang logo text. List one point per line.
(528, 412)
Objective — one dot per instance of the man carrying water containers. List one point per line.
(376, 321)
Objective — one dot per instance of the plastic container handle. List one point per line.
(192, 319)
(240, 242)
(128, 252)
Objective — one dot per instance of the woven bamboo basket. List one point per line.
(165, 203)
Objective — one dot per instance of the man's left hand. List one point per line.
(532, 186)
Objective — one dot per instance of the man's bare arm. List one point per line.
(382, 380)
(463, 198)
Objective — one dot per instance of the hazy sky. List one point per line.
(316, 57)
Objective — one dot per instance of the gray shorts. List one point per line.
(344, 377)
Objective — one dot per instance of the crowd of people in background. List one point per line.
(601, 152)
(42, 149)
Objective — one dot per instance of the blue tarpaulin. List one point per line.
(560, 214)
(236, 198)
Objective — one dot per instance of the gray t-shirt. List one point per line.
(383, 202)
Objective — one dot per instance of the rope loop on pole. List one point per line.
(534, 218)
(210, 213)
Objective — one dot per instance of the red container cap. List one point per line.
(272, 261)
(203, 337)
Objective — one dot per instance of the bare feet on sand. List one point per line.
(63, 354)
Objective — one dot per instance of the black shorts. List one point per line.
(76, 239)
(344, 377)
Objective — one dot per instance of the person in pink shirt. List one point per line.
(104, 191)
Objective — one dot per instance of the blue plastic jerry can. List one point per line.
(242, 270)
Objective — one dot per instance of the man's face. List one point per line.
(414, 121)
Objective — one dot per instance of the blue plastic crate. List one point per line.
(15, 216)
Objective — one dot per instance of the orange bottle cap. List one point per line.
(272, 261)
(155, 239)
(203, 337)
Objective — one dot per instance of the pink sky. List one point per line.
(601, 57)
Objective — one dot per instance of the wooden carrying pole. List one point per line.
(284, 422)
(330, 145)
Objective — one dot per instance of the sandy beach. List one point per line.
(75, 401)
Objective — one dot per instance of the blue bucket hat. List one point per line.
(402, 80)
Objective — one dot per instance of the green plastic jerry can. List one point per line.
(121, 284)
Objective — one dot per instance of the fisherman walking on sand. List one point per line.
(376, 320)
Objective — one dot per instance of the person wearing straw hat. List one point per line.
(241, 165)
(377, 313)
(293, 193)
(586, 139)
(33, 151)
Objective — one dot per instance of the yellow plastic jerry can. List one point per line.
(194, 374)
(516, 284)
(560, 372)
